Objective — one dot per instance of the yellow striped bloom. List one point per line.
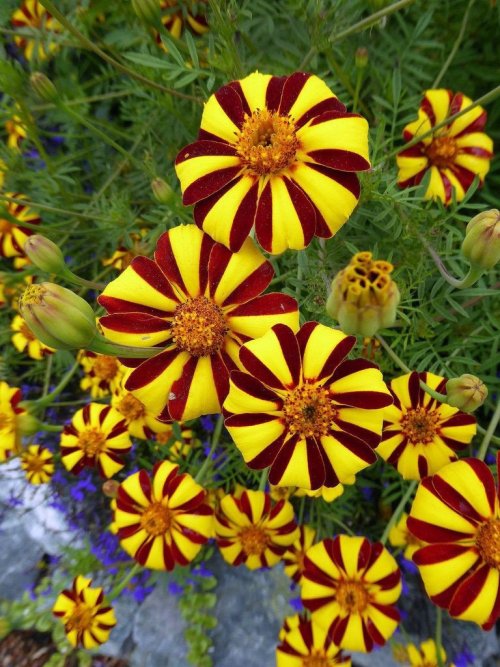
(10, 414)
(32, 14)
(304, 643)
(24, 340)
(293, 558)
(103, 373)
(13, 236)
(38, 464)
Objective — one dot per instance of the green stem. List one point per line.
(370, 20)
(215, 441)
(439, 633)
(494, 438)
(49, 428)
(135, 569)
(88, 44)
(263, 479)
(456, 45)
(489, 433)
(89, 100)
(77, 280)
(302, 507)
(101, 345)
(48, 370)
(472, 276)
(398, 511)
(48, 398)
(51, 209)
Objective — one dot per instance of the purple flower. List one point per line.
(208, 423)
(296, 605)
(174, 588)
(464, 658)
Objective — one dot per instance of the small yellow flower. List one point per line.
(38, 464)
(400, 536)
(141, 422)
(16, 132)
(12, 236)
(103, 373)
(10, 413)
(24, 340)
(32, 14)
(426, 655)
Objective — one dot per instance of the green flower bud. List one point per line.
(162, 191)
(43, 87)
(147, 10)
(466, 392)
(28, 424)
(481, 245)
(45, 254)
(363, 296)
(361, 57)
(57, 316)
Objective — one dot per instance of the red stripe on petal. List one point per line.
(291, 90)
(264, 218)
(304, 208)
(365, 555)
(427, 108)
(209, 184)
(464, 176)
(204, 148)
(343, 160)
(336, 356)
(236, 86)
(356, 446)
(220, 374)
(274, 92)
(331, 104)
(247, 419)
(267, 456)
(468, 591)
(231, 103)
(347, 180)
(283, 454)
(250, 288)
(151, 272)
(315, 463)
(217, 265)
(456, 501)
(255, 388)
(338, 629)
(244, 218)
(179, 393)
(455, 104)
(135, 323)
(475, 126)
(475, 150)
(290, 350)
(369, 400)
(266, 304)
(114, 305)
(150, 369)
(370, 437)
(428, 532)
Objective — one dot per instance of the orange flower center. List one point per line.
(352, 596)
(92, 441)
(163, 438)
(156, 519)
(317, 660)
(253, 540)
(131, 408)
(105, 368)
(419, 426)
(267, 142)
(5, 226)
(309, 411)
(199, 327)
(488, 542)
(442, 151)
(6, 420)
(34, 464)
(80, 619)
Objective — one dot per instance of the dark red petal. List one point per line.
(150, 369)
(468, 591)
(253, 285)
(343, 160)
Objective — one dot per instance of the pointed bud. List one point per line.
(147, 10)
(361, 57)
(57, 316)
(162, 191)
(43, 87)
(481, 245)
(45, 254)
(363, 296)
(466, 392)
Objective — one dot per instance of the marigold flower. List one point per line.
(178, 449)
(140, 422)
(16, 132)
(103, 373)
(87, 619)
(426, 655)
(304, 643)
(10, 413)
(199, 302)
(279, 153)
(12, 236)
(350, 585)
(175, 17)
(421, 435)
(250, 529)
(38, 464)
(24, 340)
(455, 154)
(32, 14)
(326, 493)
(457, 512)
(96, 437)
(363, 296)
(123, 255)
(293, 558)
(400, 536)
(303, 410)
(164, 519)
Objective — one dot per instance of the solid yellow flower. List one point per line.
(350, 585)
(277, 153)
(454, 154)
(163, 519)
(198, 303)
(96, 437)
(420, 434)
(103, 373)
(456, 511)
(253, 530)
(24, 340)
(87, 619)
(38, 464)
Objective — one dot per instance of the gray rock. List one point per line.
(19, 556)
(121, 638)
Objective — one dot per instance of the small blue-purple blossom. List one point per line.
(408, 566)
(208, 423)
(296, 605)
(174, 588)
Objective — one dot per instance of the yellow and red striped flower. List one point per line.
(38, 464)
(421, 435)
(16, 132)
(175, 17)
(24, 340)
(293, 558)
(178, 448)
(10, 412)
(32, 14)
(103, 373)
(162, 520)
(198, 302)
(454, 154)
(303, 410)
(304, 643)
(250, 529)
(140, 422)
(426, 655)
(96, 437)
(401, 536)
(13, 236)
(350, 586)
(87, 619)
(457, 512)
(277, 153)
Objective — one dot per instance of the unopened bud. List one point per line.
(45, 254)
(363, 296)
(27, 423)
(466, 392)
(361, 57)
(481, 245)
(110, 488)
(162, 191)
(57, 316)
(43, 87)
(147, 10)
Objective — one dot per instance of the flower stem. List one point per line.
(439, 633)
(263, 479)
(398, 511)
(48, 398)
(472, 276)
(88, 44)
(135, 569)
(489, 433)
(101, 345)
(457, 43)
(215, 441)
(370, 20)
